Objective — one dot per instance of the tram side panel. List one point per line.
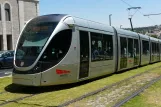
(154, 49)
(122, 61)
(66, 70)
(103, 58)
(129, 50)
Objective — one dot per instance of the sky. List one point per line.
(99, 11)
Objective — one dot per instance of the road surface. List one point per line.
(5, 72)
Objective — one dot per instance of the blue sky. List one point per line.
(99, 10)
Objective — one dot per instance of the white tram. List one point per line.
(59, 49)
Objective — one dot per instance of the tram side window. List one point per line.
(136, 47)
(130, 48)
(160, 49)
(58, 47)
(157, 48)
(84, 46)
(153, 48)
(123, 43)
(108, 47)
(101, 47)
(145, 45)
(96, 46)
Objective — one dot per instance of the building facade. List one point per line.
(13, 15)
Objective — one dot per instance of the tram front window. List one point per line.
(32, 40)
(57, 49)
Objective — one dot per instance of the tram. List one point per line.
(60, 49)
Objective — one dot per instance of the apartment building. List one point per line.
(13, 15)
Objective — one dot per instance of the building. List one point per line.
(13, 16)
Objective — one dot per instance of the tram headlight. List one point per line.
(37, 68)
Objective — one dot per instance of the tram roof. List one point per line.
(50, 17)
(126, 32)
(154, 39)
(92, 24)
(144, 36)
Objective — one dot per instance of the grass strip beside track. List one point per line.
(14, 104)
(150, 97)
(57, 96)
(4, 82)
(137, 92)
(15, 99)
(118, 92)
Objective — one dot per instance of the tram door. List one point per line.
(84, 54)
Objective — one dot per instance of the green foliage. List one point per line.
(155, 36)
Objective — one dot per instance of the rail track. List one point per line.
(28, 95)
(18, 93)
(16, 99)
(113, 85)
(137, 92)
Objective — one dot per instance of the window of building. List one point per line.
(101, 47)
(0, 13)
(7, 12)
(9, 42)
(1, 42)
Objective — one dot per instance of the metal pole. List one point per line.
(120, 26)
(131, 24)
(110, 19)
(132, 15)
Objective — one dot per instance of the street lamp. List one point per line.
(110, 19)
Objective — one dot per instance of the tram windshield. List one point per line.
(32, 40)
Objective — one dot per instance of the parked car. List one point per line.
(6, 59)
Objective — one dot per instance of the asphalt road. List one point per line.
(5, 72)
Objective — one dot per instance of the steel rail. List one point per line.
(79, 98)
(102, 89)
(16, 99)
(137, 92)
